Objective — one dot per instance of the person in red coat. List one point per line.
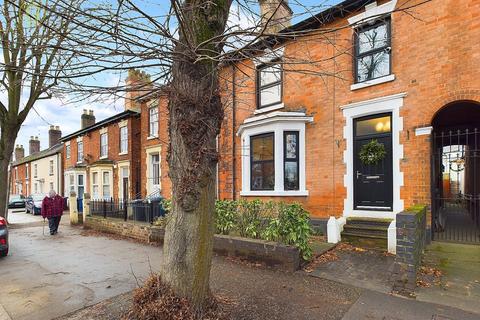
(52, 209)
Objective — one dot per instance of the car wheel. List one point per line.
(4, 253)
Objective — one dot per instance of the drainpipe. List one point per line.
(234, 111)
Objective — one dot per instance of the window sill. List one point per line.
(267, 193)
(373, 82)
(123, 153)
(271, 108)
(152, 137)
(103, 157)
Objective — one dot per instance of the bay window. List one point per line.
(273, 156)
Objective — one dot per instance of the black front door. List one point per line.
(372, 170)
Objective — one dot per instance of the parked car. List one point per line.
(3, 237)
(16, 201)
(33, 204)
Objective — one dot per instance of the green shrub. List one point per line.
(273, 221)
(291, 226)
(249, 218)
(226, 216)
(167, 205)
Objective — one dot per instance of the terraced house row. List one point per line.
(356, 118)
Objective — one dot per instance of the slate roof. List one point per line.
(39, 155)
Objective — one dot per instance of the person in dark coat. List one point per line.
(52, 209)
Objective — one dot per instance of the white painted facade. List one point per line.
(46, 174)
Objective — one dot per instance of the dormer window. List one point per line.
(372, 51)
(269, 84)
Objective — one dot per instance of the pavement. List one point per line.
(460, 281)
(49, 276)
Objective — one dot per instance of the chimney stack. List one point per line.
(275, 14)
(138, 84)
(88, 119)
(19, 152)
(54, 135)
(34, 145)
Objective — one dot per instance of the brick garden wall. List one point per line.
(411, 240)
(271, 253)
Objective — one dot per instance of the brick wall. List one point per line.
(434, 59)
(91, 152)
(18, 176)
(411, 240)
(161, 141)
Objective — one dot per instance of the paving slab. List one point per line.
(374, 305)
(367, 269)
(460, 282)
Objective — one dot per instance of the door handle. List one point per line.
(358, 174)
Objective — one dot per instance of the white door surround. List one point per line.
(388, 104)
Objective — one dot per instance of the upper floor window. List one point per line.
(35, 170)
(26, 171)
(67, 151)
(80, 151)
(372, 51)
(269, 84)
(50, 168)
(124, 139)
(153, 121)
(103, 145)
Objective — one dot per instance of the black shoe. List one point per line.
(55, 232)
(52, 233)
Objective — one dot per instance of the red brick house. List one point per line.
(154, 145)
(102, 158)
(381, 116)
(40, 171)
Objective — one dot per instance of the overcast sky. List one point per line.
(67, 116)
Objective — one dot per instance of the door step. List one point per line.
(367, 233)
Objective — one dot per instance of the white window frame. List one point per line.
(35, 170)
(278, 123)
(67, 150)
(155, 186)
(95, 195)
(123, 140)
(26, 172)
(51, 166)
(104, 145)
(153, 124)
(79, 151)
(108, 184)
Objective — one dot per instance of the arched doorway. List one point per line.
(456, 173)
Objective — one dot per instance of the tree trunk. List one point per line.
(7, 145)
(195, 114)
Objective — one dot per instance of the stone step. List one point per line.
(365, 230)
(366, 241)
(371, 222)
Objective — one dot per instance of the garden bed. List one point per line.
(272, 254)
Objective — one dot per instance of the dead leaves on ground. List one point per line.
(156, 300)
(332, 255)
(428, 276)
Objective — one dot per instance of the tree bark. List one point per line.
(9, 132)
(195, 116)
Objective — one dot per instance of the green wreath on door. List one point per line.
(372, 152)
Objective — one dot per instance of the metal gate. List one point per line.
(456, 186)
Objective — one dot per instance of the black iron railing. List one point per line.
(136, 210)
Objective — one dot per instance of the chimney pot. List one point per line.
(34, 145)
(19, 152)
(54, 136)
(87, 119)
